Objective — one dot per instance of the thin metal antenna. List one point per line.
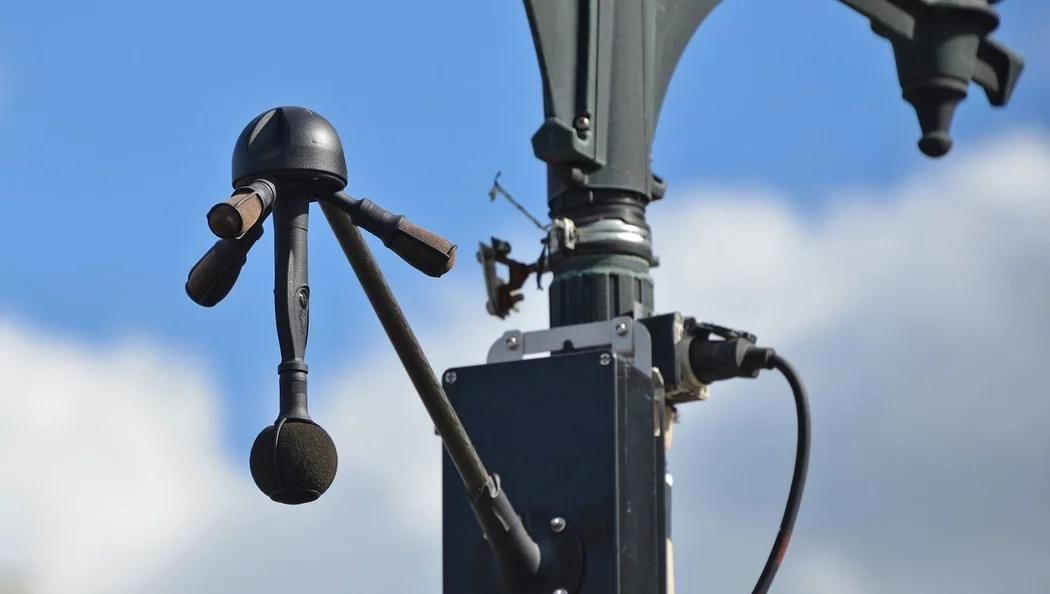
(497, 190)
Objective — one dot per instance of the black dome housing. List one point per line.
(291, 144)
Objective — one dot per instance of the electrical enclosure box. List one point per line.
(574, 436)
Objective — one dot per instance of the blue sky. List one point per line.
(118, 119)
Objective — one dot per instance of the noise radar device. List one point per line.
(285, 159)
(576, 417)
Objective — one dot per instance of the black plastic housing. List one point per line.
(291, 142)
(571, 437)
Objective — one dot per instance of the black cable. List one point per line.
(798, 479)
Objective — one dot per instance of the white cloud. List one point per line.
(109, 458)
(824, 572)
(915, 313)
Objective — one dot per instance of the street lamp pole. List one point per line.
(606, 66)
(570, 438)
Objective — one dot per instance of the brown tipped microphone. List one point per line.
(243, 210)
(213, 276)
(425, 251)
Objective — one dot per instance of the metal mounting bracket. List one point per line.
(624, 336)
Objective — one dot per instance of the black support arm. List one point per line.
(517, 553)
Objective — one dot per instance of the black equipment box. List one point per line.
(572, 436)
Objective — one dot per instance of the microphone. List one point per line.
(283, 160)
(293, 461)
(425, 251)
(213, 276)
(242, 210)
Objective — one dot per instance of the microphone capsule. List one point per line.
(242, 210)
(294, 461)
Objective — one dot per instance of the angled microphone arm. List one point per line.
(517, 553)
(427, 252)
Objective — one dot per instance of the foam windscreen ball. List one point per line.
(299, 467)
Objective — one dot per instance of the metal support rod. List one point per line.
(292, 300)
(459, 447)
(517, 553)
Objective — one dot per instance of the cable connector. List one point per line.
(710, 353)
(716, 353)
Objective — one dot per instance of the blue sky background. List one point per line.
(117, 120)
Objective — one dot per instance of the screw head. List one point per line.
(512, 342)
(557, 524)
(605, 359)
(621, 329)
(582, 123)
(561, 591)
(450, 377)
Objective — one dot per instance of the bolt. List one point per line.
(605, 359)
(582, 123)
(558, 524)
(621, 329)
(450, 377)
(512, 342)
